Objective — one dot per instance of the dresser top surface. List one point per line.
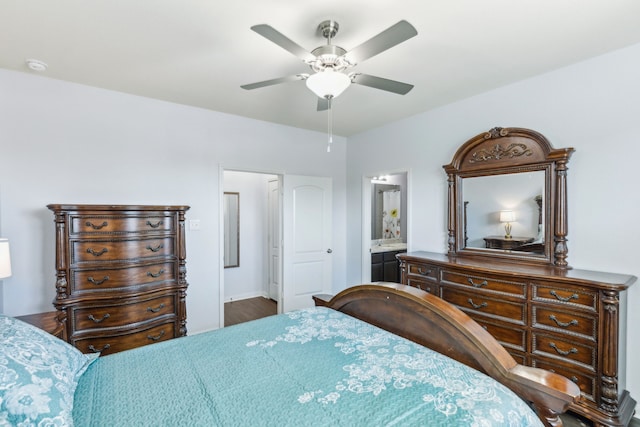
(111, 208)
(605, 280)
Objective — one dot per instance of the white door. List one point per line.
(307, 231)
(274, 237)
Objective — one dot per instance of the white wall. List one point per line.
(592, 106)
(68, 143)
(250, 278)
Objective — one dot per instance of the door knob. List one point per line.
(329, 251)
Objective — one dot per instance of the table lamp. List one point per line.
(507, 217)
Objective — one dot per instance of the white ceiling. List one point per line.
(199, 52)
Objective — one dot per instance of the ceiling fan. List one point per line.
(330, 62)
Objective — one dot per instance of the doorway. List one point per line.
(376, 231)
(251, 286)
(277, 209)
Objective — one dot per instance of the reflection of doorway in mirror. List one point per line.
(488, 195)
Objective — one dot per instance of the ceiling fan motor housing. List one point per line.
(329, 56)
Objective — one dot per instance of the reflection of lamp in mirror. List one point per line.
(507, 217)
(5, 259)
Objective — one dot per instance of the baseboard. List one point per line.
(240, 297)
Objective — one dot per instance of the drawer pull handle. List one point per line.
(97, 253)
(476, 306)
(157, 337)
(105, 317)
(155, 310)
(156, 249)
(97, 282)
(563, 352)
(574, 322)
(95, 350)
(158, 274)
(424, 272)
(96, 227)
(477, 285)
(563, 299)
(156, 225)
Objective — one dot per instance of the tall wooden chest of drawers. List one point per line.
(121, 276)
(572, 322)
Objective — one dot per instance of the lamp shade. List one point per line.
(507, 216)
(328, 83)
(5, 259)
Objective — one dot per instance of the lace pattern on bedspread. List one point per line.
(381, 361)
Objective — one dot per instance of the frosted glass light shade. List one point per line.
(328, 83)
(5, 259)
(507, 216)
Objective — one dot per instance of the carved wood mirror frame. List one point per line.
(503, 151)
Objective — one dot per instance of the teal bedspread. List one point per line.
(315, 367)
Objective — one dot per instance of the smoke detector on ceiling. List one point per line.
(36, 65)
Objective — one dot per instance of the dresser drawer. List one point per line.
(123, 340)
(486, 305)
(115, 250)
(513, 337)
(424, 271)
(572, 351)
(587, 383)
(109, 224)
(571, 322)
(111, 279)
(425, 285)
(564, 295)
(123, 314)
(485, 283)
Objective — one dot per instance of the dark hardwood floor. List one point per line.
(248, 309)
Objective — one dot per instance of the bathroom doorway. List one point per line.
(385, 223)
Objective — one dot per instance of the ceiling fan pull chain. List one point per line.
(329, 124)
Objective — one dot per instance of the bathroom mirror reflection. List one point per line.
(389, 208)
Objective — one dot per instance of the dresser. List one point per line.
(120, 275)
(567, 321)
(501, 242)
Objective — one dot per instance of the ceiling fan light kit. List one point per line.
(328, 83)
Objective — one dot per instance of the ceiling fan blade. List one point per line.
(272, 82)
(380, 83)
(323, 104)
(390, 37)
(283, 41)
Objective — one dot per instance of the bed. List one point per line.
(358, 358)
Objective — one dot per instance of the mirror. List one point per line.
(520, 194)
(231, 213)
(385, 218)
(389, 208)
(508, 198)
